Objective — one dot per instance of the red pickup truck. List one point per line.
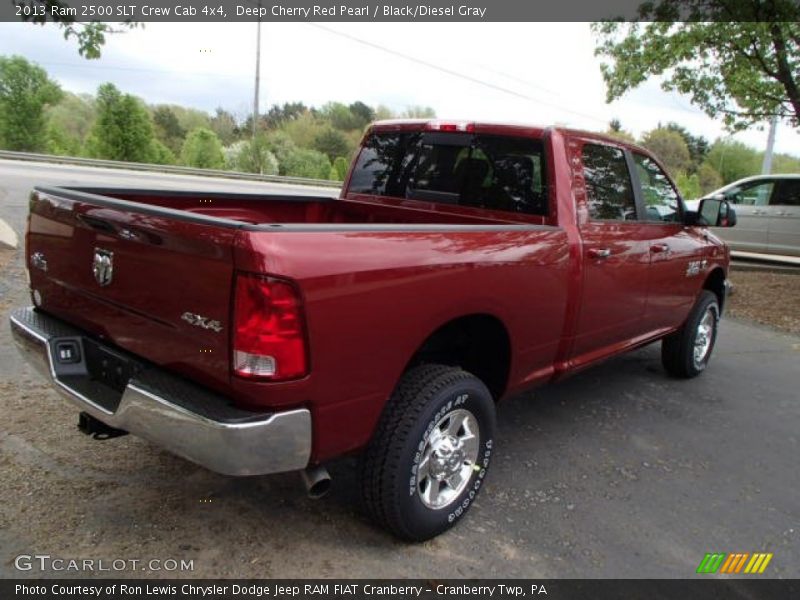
(462, 263)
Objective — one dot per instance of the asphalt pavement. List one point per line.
(619, 471)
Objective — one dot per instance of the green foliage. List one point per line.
(708, 178)
(61, 142)
(304, 129)
(738, 60)
(281, 145)
(123, 129)
(363, 115)
(784, 163)
(688, 185)
(418, 112)
(384, 112)
(669, 147)
(697, 145)
(202, 149)
(168, 129)
(225, 126)
(303, 162)
(191, 118)
(733, 160)
(73, 116)
(339, 116)
(331, 142)
(252, 156)
(277, 115)
(161, 155)
(25, 91)
(615, 130)
(340, 166)
(90, 36)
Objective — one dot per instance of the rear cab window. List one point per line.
(502, 173)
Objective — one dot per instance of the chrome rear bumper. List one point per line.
(181, 417)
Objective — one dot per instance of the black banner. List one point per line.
(732, 588)
(390, 10)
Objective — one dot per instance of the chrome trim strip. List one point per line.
(276, 443)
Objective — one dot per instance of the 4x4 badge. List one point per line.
(103, 266)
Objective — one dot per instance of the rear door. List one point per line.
(152, 281)
(616, 255)
(784, 218)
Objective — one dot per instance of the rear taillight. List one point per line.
(269, 339)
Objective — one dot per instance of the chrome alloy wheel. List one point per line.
(448, 458)
(704, 336)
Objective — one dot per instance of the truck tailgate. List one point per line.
(155, 282)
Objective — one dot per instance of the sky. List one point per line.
(540, 73)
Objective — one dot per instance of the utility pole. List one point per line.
(258, 74)
(766, 166)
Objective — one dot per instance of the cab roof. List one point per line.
(495, 128)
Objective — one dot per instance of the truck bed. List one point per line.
(271, 209)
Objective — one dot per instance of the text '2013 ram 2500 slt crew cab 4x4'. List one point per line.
(463, 262)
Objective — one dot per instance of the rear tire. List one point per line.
(686, 352)
(430, 452)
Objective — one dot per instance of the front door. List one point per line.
(676, 251)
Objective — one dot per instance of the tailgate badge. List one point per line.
(202, 322)
(103, 266)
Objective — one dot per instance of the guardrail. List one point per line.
(134, 166)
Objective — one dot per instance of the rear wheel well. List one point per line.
(479, 344)
(715, 282)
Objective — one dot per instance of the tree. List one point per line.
(362, 114)
(688, 185)
(61, 142)
(331, 142)
(340, 166)
(25, 91)
(733, 160)
(225, 126)
(252, 156)
(167, 128)
(90, 36)
(697, 144)
(708, 178)
(739, 60)
(615, 130)
(74, 115)
(303, 162)
(418, 112)
(669, 147)
(123, 129)
(161, 155)
(202, 149)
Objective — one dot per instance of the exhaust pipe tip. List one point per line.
(317, 481)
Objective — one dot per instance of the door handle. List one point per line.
(784, 214)
(759, 212)
(659, 248)
(599, 253)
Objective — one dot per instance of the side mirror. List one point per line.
(716, 212)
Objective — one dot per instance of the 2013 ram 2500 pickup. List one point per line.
(462, 263)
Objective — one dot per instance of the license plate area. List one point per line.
(94, 371)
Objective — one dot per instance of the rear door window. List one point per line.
(787, 194)
(492, 172)
(608, 183)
